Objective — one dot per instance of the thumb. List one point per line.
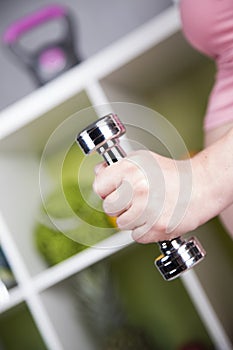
(99, 167)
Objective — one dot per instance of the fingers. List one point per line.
(134, 216)
(133, 190)
(144, 234)
(99, 167)
(119, 200)
(109, 178)
(148, 194)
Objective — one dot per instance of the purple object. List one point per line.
(33, 20)
(52, 58)
(47, 61)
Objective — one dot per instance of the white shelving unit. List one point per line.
(130, 70)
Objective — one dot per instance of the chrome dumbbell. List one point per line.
(177, 255)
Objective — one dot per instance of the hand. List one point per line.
(156, 197)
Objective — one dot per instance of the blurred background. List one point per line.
(96, 25)
(121, 302)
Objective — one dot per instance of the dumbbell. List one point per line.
(177, 255)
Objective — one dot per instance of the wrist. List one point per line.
(211, 186)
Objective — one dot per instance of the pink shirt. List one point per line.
(208, 25)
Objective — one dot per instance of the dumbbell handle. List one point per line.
(178, 255)
(111, 151)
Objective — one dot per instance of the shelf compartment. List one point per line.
(59, 302)
(32, 136)
(95, 68)
(15, 297)
(81, 260)
(156, 67)
(89, 37)
(22, 164)
(6, 274)
(17, 329)
(20, 155)
(161, 310)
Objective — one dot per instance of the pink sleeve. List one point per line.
(208, 26)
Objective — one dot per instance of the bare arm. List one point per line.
(143, 190)
(211, 136)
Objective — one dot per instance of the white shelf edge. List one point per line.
(12, 255)
(43, 322)
(72, 82)
(136, 43)
(98, 99)
(206, 311)
(15, 297)
(82, 260)
(96, 94)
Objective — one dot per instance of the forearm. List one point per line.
(159, 198)
(216, 169)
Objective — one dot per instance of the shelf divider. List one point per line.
(96, 67)
(206, 311)
(82, 260)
